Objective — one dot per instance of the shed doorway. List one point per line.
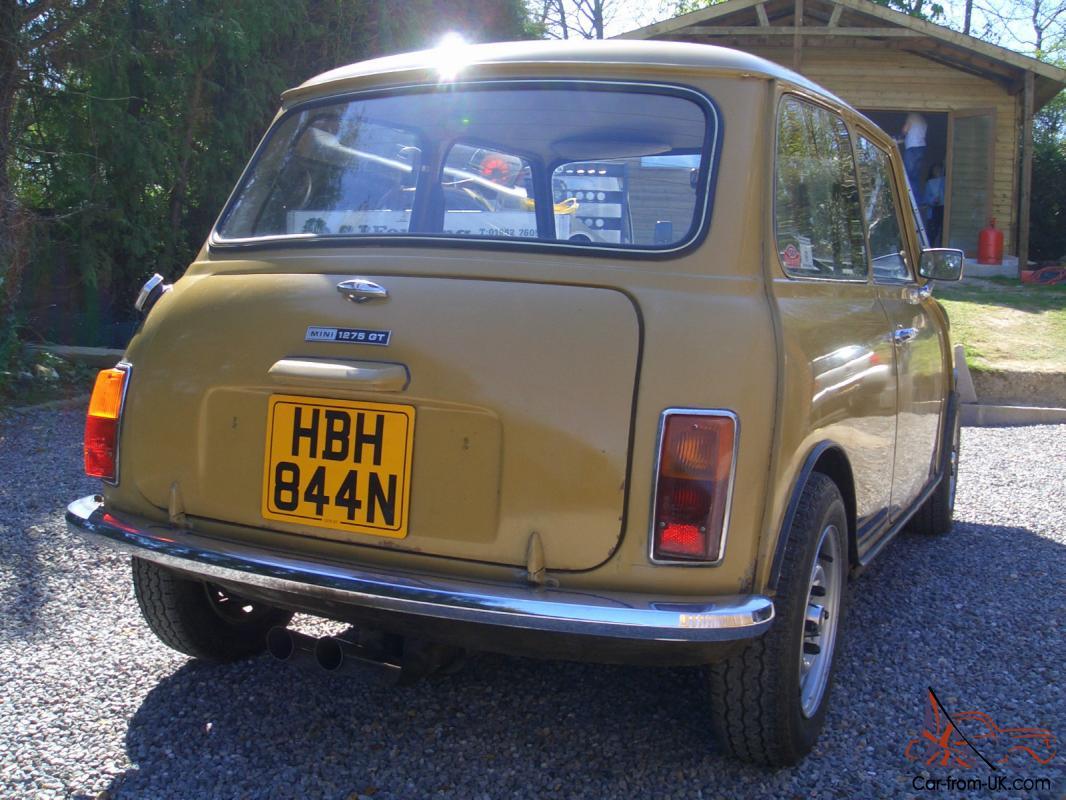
(936, 155)
(961, 143)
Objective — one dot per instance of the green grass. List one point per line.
(1006, 325)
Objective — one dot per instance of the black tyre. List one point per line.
(200, 619)
(769, 700)
(936, 514)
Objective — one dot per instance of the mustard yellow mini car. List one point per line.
(614, 351)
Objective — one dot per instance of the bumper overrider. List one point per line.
(619, 616)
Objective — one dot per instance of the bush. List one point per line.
(1047, 226)
(1047, 222)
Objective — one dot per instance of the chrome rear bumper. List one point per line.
(613, 615)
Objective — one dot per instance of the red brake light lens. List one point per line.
(101, 424)
(692, 486)
(678, 539)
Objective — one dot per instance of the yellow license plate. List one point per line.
(339, 464)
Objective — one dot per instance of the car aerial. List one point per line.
(611, 351)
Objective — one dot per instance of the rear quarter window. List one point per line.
(817, 217)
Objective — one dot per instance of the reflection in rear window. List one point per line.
(581, 165)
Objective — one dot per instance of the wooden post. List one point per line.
(1027, 172)
(797, 39)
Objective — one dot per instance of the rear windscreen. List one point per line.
(581, 165)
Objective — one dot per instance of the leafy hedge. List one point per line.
(1047, 226)
(130, 121)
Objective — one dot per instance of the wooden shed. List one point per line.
(978, 99)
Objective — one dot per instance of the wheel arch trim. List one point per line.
(814, 456)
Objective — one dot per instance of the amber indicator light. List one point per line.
(101, 424)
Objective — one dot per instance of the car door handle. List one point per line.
(366, 376)
(360, 290)
(904, 335)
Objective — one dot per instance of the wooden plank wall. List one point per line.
(659, 194)
(876, 79)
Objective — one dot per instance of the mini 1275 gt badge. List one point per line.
(352, 335)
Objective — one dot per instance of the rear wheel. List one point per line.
(201, 619)
(936, 514)
(769, 700)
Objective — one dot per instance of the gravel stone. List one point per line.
(92, 706)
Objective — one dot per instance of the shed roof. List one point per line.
(762, 22)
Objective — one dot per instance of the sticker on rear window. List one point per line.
(353, 335)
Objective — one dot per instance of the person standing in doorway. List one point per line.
(933, 204)
(914, 128)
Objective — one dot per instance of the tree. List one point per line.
(1047, 223)
(551, 17)
(1036, 27)
(575, 19)
(916, 8)
(599, 19)
(125, 123)
(38, 29)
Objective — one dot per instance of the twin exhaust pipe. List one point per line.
(392, 660)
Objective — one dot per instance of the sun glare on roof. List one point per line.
(449, 56)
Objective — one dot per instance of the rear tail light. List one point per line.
(692, 485)
(101, 424)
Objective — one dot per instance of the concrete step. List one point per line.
(976, 415)
(94, 356)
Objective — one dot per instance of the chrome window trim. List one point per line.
(699, 228)
(127, 367)
(697, 412)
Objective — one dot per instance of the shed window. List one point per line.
(818, 220)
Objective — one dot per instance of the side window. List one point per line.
(887, 250)
(817, 216)
(488, 192)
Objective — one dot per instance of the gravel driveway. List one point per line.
(91, 705)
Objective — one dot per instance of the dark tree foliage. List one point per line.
(130, 120)
(923, 9)
(1047, 225)
(39, 29)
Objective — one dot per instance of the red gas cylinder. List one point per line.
(990, 244)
